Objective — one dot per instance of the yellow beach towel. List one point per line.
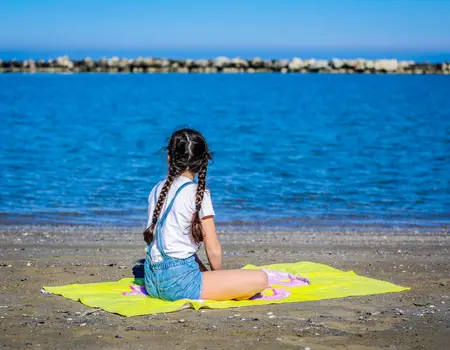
(127, 296)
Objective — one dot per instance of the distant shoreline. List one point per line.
(64, 64)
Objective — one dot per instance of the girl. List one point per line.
(181, 218)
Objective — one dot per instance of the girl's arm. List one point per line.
(212, 244)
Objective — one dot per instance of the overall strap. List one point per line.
(159, 238)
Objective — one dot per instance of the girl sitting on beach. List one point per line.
(181, 218)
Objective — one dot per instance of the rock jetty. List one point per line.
(222, 65)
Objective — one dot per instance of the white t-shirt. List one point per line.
(177, 242)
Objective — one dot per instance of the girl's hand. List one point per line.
(201, 266)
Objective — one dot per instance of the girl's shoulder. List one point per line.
(192, 188)
(189, 191)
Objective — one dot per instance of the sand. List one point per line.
(32, 257)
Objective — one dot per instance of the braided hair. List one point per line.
(187, 150)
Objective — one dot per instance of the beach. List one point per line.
(316, 135)
(35, 256)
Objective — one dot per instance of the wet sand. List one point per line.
(32, 257)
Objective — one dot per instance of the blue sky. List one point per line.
(214, 25)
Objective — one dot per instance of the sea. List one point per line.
(293, 151)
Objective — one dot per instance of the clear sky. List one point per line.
(387, 25)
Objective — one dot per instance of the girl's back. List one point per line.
(177, 239)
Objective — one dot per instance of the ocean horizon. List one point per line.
(432, 56)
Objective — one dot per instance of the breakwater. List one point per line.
(222, 65)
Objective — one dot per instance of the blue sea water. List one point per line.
(290, 150)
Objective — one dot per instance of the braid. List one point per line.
(187, 151)
(196, 225)
(148, 233)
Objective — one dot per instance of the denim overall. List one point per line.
(171, 279)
